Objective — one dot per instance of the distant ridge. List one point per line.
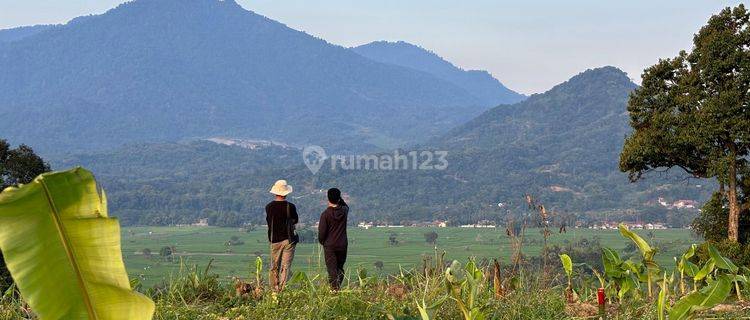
(561, 146)
(14, 34)
(166, 70)
(479, 83)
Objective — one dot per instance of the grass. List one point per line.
(198, 245)
(197, 286)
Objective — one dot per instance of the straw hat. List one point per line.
(281, 188)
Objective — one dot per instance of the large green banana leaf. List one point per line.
(706, 298)
(63, 251)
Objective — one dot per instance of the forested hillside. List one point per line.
(561, 146)
(165, 70)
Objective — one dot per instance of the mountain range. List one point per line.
(479, 83)
(168, 70)
(561, 146)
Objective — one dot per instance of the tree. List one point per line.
(146, 253)
(692, 111)
(166, 253)
(431, 237)
(17, 166)
(378, 265)
(392, 240)
(711, 223)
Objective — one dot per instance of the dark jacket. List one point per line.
(332, 228)
(279, 227)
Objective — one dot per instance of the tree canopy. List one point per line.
(17, 166)
(692, 112)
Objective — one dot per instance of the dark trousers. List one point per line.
(335, 259)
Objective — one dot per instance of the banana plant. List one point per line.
(427, 312)
(685, 267)
(708, 297)
(724, 263)
(363, 279)
(463, 287)
(647, 253)
(567, 264)
(258, 272)
(63, 250)
(661, 302)
(623, 275)
(301, 278)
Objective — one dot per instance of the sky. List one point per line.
(529, 46)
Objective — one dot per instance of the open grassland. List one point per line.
(199, 245)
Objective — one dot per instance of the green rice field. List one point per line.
(199, 245)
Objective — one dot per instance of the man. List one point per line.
(281, 217)
(332, 235)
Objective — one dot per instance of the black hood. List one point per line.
(339, 212)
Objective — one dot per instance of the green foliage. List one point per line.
(463, 285)
(661, 301)
(171, 183)
(60, 219)
(567, 264)
(706, 298)
(168, 68)
(691, 111)
(431, 237)
(17, 166)
(651, 268)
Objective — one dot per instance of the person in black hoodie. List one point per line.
(332, 235)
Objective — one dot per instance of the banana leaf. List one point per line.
(721, 261)
(63, 251)
(661, 302)
(567, 264)
(704, 299)
(691, 269)
(643, 246)
(611, 261)
(705, 271)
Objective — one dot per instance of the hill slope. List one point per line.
(14, 34)
(561, 146)
(163, 70)
(479, 83)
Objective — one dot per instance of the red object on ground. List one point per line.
(600, 296)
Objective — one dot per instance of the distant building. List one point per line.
(201, 223)
(480, 224)
(685, 204)
(365, 225)
(663, 203)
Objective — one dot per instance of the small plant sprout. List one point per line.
(567, 264)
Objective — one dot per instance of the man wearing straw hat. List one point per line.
(281, 217)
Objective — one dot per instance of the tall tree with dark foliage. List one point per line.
(693, 111)
(17, 166)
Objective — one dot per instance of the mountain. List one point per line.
(561, 146)
(479, 83)
(14, 34)
(166, 70)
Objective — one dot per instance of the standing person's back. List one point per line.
(332, 235)
(281, 217)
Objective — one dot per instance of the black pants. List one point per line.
(335, 259)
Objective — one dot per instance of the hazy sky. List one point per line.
(529, 46)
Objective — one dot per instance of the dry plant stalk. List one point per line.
(497, 280)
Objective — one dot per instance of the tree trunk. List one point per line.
(734, 208)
